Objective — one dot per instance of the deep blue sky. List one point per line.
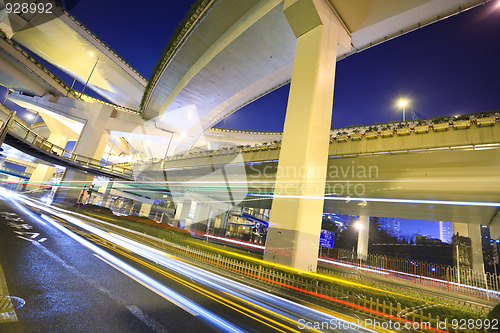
(446, 68)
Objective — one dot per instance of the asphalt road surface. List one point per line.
(75, 279)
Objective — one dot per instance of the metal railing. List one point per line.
(447, 277)
(22, 132)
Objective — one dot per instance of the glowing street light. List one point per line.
(402, 103)
(358, 225)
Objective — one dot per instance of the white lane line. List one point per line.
(168, 298)
(153, 324)
(9, 316)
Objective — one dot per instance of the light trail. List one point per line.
(352, 266)
(195, 276)
(266, 302)
(152, 284)
(385, 271)
(167, 293)
(413, 201)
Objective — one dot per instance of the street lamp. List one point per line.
(91, 54)
(402, 103)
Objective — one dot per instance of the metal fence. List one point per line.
(443, 276)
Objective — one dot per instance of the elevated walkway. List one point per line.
(21, 137)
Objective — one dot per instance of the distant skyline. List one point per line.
(408, 228)
(449, 67)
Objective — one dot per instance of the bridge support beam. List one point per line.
(473, 231)
(363, 232)
(293, 236)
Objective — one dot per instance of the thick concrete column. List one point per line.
(43, 173)
(201, 216)
(71, 186)
(145, 209)
(473, 231)
(495, 231)
(184, 213)
(94, 136)
(91, 143)
(363, 232)
(293, 236)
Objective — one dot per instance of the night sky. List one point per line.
(450, 67)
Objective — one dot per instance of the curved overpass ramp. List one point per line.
(233, 52)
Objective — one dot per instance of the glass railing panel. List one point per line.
(30, 137)
(18, 130)
(81, 159)
(94, 163)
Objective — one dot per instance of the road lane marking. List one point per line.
(224, 301)
(151, 323)
(158, 328)
(168, 298)
(9, 316)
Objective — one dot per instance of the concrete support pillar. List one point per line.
(363, 232)
(473, 231)
(145, 209)
(43, 173)
(293, 236)
(94, 136)
(185, 213)
(495, 231)
(91, 143)
(73, 185)
(178, 210)
(106, 190)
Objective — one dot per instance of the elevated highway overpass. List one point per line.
(21, 72)
(223, 58)
(446, 172)
(66, 43)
